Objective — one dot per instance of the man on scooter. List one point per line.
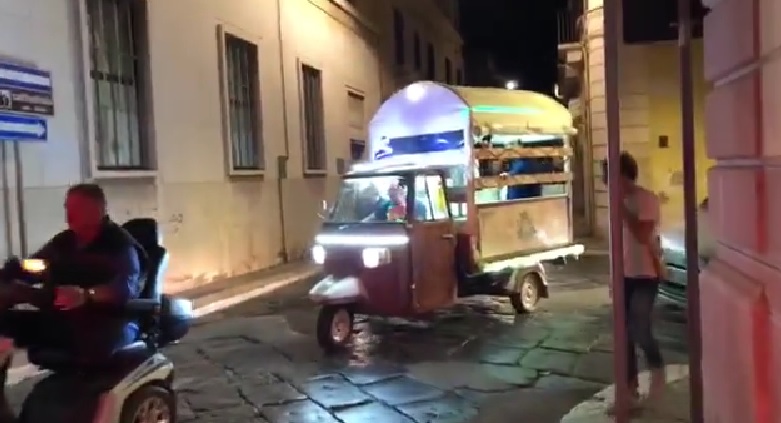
(96, 267)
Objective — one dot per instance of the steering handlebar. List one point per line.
(25, 282)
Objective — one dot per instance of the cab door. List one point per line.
(433, 243)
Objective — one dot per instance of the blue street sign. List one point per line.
(22, 128)
(27, 78)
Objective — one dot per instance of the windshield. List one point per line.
(371, 199)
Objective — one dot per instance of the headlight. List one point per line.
(373, 257)
(318, 254)
(33, 265)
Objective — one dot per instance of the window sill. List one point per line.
(248, 173)
(123, 174)
(315, 173)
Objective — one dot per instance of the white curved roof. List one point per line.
(516, 111)
(429, 105)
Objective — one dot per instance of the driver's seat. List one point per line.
(145, 309)
(146, 232)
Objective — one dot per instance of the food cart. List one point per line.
(467, 192)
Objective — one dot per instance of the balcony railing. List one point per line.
(570, 26)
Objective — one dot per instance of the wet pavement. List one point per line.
(478, 362)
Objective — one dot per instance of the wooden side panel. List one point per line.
(525, 225)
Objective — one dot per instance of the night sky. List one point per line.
(521, 35)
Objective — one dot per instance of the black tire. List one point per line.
(325, 323)
(527, 296)
(141, 396)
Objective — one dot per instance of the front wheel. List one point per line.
(526, 298)
(334, 327)
(150, 404)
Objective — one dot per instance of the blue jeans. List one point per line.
(639, 298)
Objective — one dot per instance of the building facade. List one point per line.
(420, 41)
(740, 292)
(741, 135)
(650, 107)
(228, 121)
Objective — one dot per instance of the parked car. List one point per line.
(673, 289)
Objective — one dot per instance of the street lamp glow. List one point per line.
(511, 85)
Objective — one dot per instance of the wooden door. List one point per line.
(432, 246)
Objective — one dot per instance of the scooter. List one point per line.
(135, 385)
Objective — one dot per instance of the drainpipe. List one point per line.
(586, 104)
(612, 12)
(690, 210)
(282, 161)
(8, 221)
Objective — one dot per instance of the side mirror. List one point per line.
(325, 210)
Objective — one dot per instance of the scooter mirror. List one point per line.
(33, 265)
(325, 210)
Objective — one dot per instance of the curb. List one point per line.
(217, 302)
(210, 303)
(594, 410)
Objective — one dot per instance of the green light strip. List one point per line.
(506, 110)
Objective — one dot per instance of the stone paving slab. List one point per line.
(270, 371)
(672, 407)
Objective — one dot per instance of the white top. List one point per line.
(637, 258)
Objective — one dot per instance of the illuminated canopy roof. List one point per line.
(515, 111)
(427, 107)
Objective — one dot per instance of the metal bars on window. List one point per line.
(356, 113)
(116, 28)
(398, 36)
(431, 63)
(417, 53)
(242, 95)
(314, 125)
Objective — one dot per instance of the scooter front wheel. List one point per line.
(150, 404)
(335, 325)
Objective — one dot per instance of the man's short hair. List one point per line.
(627, 166)
(92, 191)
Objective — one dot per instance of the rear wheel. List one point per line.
(527, 296)
(334, 327)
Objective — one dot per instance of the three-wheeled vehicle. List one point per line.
(458, 198)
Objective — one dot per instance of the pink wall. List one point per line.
(741, 289)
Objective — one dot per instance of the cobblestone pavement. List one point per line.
(479, 362)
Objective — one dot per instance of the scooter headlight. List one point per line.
(373, 257)
(33, 265)
(318, 254)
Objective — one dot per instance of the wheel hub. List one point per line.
(528, 294)
(340, 326)
(153, 410)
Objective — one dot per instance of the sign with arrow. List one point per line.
(26, 89)
(22, 128)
